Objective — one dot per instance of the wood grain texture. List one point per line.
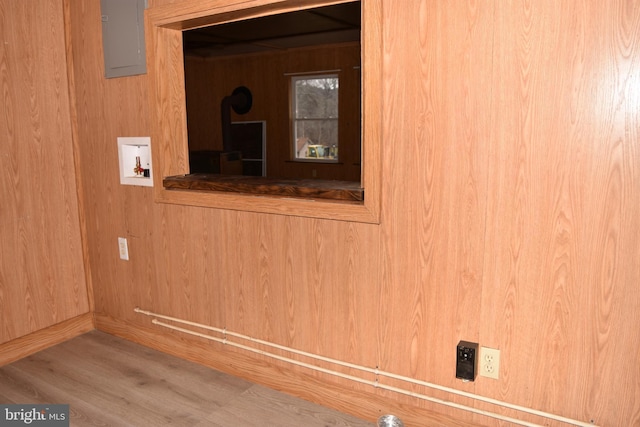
(43, 338)
(509, 214)
(304, 188)
(42, 277)
(169, 118)
(73, 115)
(435, 112)
(109, 381)
(320, 391)
(563, 167)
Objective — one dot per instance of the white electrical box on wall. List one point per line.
(134, 155)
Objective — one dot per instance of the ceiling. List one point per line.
(326, 25)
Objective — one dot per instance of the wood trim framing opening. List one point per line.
(164, 26)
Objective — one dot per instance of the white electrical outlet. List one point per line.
(489, 363)
(124, 248)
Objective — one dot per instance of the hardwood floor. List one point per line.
(108, 381)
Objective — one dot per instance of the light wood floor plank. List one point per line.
(260, 406)
(108, 381)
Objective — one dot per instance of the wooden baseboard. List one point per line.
(24, 346)
(368, 406)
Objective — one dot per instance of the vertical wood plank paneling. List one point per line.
(510, 214)
(436, 128)
(612, 200)
(564, 165)
(42, 279)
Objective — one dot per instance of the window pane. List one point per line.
(316, 98)
(316, 139)
(315, 121)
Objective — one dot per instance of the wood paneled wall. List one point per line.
(267, 75)
(563, 223)
(511, 217)
(42, 275)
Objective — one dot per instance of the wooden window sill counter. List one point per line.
(305, 188)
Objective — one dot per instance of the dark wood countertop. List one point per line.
(302, 188)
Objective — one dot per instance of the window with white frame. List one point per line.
(314, 102)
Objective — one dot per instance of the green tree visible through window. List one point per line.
(315, 117)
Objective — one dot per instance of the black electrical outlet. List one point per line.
(466, 360)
